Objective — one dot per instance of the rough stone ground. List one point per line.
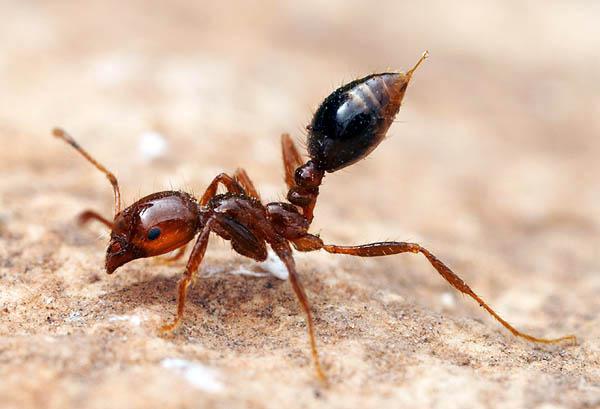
(493, 165)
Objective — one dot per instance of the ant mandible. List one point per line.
(346, 127)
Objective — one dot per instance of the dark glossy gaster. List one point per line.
(348, 125)
(354, 119)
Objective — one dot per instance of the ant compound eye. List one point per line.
(115, 247)
(153, 233)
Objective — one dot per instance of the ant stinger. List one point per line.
(346, 127)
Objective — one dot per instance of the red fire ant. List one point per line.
(346, 127)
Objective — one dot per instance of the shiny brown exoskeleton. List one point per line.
(347, 126)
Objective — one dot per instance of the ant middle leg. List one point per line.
(88, 215)
(312, 243)
(244, 180)
(230, 184)
(188, 276)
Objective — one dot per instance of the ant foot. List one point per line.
(169, 328)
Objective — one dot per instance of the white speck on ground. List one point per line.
(74, 316)
(272, 266)
(243, 271)
(275, 266)
(135, 320)
(448, 300)
(152, 145)
(201, 376)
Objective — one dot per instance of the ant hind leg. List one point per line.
(291, 159)
(392, 247)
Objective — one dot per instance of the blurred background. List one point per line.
(492, 164)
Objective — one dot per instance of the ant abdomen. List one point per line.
(354, 119)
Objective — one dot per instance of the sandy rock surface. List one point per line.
(492, 165)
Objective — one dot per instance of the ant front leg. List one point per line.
(284, 252)
(88, 215)
(392, 247)
(175, 257)
(188, 276)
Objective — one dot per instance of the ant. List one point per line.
(346, 127)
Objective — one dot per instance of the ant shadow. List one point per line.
(241, 313)
(227, 290)
(220, 296)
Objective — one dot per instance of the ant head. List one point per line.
(154, 225)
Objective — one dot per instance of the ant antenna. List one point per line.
(423, 57)
(61, 134)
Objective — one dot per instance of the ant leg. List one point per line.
(392, 247)
(180, 252)
(87, 215)
(284, 252)
(171, 259)
(230, 184)
(308, 242)
(291, 159)
(189, 275)
(303, 180)
(244, 180)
